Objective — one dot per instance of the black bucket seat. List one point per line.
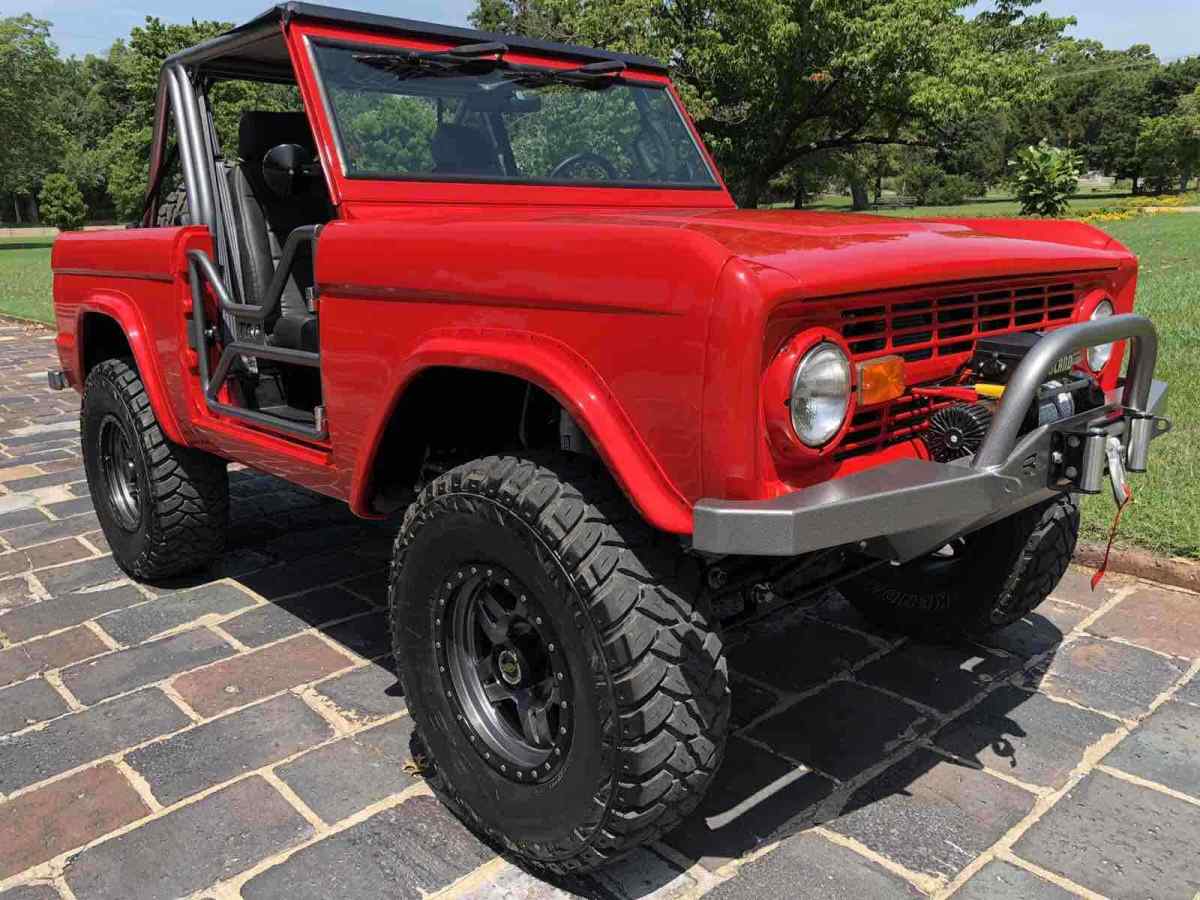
(264, 220)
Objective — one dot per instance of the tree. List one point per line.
(125, 151)
(1045, 178)
(1169, 146)
(29, 75)
(772, 81)
(62, 202)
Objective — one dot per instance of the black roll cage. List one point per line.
(196, 147)
(182, 103)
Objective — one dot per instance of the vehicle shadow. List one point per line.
(830, 716)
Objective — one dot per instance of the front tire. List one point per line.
(572, 700)
(164, 508)
(977, 584)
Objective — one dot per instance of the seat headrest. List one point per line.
(259, 131)
(460, 148)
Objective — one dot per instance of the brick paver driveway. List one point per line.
(244, 734)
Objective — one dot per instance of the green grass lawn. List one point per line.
(25, 278)
(982, 208)
(1165, 516)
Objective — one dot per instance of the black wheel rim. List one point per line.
(503, 670)
(119, 474)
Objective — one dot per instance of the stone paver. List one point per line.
(28, 703)
(1000, 880)
(367, 693)
(809, 867)
(135, 624)
(1119, 839)
(243, 731)
(23, 660)
(406, 853)
(373, 764)
(63, 744)
(843, 730)
(245, 678)
(125, 670)
(1028, 736)
(65, 814)
(932, 815)
(1165, 750)
(1111, 677)
(191, 847)
(224, 748)
(1167, 621)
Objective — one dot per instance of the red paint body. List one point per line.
(651, 315)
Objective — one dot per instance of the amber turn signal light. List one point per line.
(880, 380)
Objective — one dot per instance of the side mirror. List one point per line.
(282, 165)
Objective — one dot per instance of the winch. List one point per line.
(958, 431)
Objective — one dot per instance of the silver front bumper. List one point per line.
(903, 509)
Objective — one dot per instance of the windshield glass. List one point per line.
(406, 116)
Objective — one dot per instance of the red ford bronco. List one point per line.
(499, 284)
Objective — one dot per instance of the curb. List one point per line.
(21, 320)
(1175, 571)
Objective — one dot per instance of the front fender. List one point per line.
(569, 379)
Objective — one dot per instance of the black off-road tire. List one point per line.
(651, 696)
(179, 506)
(173, 209)
(1001, 574)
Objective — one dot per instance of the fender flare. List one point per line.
(573, 383)
(121, 309)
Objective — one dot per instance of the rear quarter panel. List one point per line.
(131, 276)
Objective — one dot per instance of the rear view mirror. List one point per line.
(283, 164)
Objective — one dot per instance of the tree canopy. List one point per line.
(770, 82)
(791, 95)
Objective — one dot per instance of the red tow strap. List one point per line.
(1112, 536)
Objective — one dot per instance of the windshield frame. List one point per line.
(630, 76)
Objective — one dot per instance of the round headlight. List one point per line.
(1098, 357)
(820, 394)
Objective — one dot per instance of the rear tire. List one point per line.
(1001, 573)
(173, 209)
(164, 508)
(524, 586)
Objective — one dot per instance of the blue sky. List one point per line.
(1171, 27)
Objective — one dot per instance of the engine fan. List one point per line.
(957, 431)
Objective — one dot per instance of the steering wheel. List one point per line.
(578, 160)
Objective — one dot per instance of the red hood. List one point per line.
(834, 253)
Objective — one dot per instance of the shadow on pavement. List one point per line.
(833, 721)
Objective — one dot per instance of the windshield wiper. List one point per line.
(468, 59)
(596, 76)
